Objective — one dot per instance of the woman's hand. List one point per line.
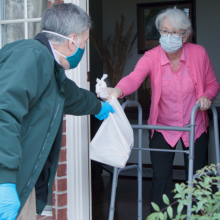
(205, 103)
(113, 91)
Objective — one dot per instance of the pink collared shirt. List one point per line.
(178, 97)
(198, 66)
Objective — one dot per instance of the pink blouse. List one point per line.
(195, 78)
(178, 97)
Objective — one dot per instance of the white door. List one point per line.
(78, 168)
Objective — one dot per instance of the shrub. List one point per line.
(207, 200)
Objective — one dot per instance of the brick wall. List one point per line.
(60, 183)
(55, 2)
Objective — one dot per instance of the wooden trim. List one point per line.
(78, 184)
(88, 76)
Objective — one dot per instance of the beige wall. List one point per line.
(207, 26)
(208, 31)
(207, 34)
(112, 11)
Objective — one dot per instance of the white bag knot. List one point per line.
(101, 87)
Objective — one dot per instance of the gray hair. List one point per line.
(64, 19)
(178, 20)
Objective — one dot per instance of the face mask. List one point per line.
(171, 44)
(73, 59)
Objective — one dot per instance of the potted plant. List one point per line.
(115, 50)
(207, 201)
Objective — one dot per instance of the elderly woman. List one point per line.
(181, 75)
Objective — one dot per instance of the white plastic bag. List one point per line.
(114, 140)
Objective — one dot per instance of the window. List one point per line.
(20, 19)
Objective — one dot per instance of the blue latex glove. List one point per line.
(104, 113)
(9, 201)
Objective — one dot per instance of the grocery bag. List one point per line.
(114, 140)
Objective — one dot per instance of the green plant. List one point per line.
(207, 199)
(114, 50)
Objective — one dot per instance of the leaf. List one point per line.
(207, 180)
(201, 184)
(166, 199)
(170, 211)
(152, 216)
(165, 215)
(177, 196)
(155, 206)
(180, 208)
(161, 216)
(183, 216)
(178, 187)
(192, 217)
(199, 205)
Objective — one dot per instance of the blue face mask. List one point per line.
(171, 44)
(73, 59)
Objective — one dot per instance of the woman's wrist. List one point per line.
(118, 92)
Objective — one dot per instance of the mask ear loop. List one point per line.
(60, 35)
(59, 53)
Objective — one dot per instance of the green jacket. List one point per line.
(34, 94)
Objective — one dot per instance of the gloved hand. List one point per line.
(104, 113)
(9, 201)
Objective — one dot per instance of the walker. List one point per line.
(189, 128)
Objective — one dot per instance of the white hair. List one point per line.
(64, 19)
(178, 20)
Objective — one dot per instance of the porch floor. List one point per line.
(126, 197)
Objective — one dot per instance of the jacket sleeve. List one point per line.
(211, 82)
(132, 82)
(79, 101)
(18, 83)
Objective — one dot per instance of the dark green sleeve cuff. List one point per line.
(98, 108)
(7, 176)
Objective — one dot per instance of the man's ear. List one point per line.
(71, 45)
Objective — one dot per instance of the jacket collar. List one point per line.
(44, 40)
(58, 69)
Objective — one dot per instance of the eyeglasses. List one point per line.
(173, 33)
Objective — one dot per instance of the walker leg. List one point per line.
(191, 160)
(113, 194)
(139, 194)
(190, 180)
(139, 175)
(216, 134)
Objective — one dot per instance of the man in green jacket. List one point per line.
(34, 95)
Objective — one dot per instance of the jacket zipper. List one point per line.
(45, 141)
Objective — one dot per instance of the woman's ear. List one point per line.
(185, 37)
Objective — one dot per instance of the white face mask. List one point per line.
(171, 44)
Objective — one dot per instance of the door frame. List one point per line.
(77, 134)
